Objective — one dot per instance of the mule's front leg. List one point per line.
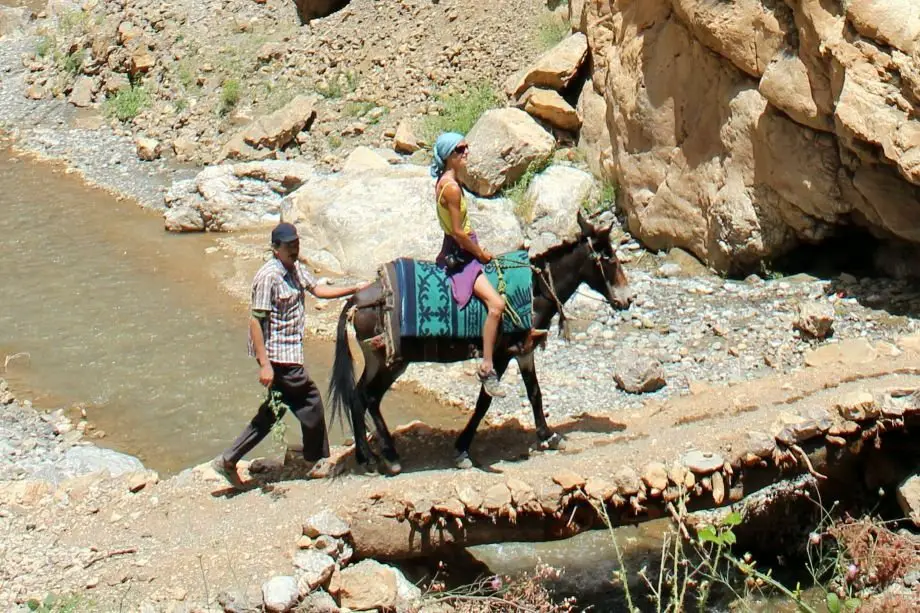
(548, 439)
(465, 440)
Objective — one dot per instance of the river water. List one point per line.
(131, 322)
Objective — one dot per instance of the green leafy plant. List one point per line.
(44, 46)
(73, 62)
(358, 109)
(460, 111)
(229, 95)
(552, 28)
(339, 84)
(603, 200)
(127, 103)
(53, 603)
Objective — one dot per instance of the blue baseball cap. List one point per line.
(284, 233)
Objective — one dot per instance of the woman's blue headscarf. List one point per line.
(442, 149)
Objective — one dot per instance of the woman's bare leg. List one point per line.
(495, 305)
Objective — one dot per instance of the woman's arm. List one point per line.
(451, 199)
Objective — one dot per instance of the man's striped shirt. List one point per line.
(280, 293)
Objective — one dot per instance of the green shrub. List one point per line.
(358, 109)
(127, 103)
(229, 95)
(44, 46)
(73, 62)
(605, 200)
(460, 111)
(551, 30)
(339, 84)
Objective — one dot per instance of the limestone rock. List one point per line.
(598, 488)
(503, 144)
(84, 89)
(319, 601)
(702, 462)
(368, 585)
(850, 351)
(655, 475)
(521, 492)
(331, 212)
(148, 149)
(908, 495)
(232, 197)
(626, 481)
(552, 108)
(497, 497)
(815, 319)
(263, 136)
(142, 60)
(363, 158)
(314, 569)
(744, 31)
(184, 149)
(325, 522)
(555, 69)
(787, 85)
(594, 137)
(405, 141)
(858, 406)
(568, 479)
(893, 22)
(638, 374)
(910, 343)
(280, 594)
(556, 195)
(13, 19)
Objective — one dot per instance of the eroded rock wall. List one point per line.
(741, 129)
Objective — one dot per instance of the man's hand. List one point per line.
(486, 257)
(266, 375)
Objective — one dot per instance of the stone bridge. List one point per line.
(711, 448)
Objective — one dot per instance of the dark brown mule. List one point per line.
(557, 274)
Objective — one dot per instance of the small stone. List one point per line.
(626, 481)
(325, 522)
(470, 497)
(598, 488)
(315, 568)
(497, 497)
(304, 542)
(521, 492)
(638, 374)
(908, 495)
(280, 594)
(148, 149)
(452, 506)
(760, 443)
(404, 141)
(815, 319)
(702, 462)
(718, 488)
(568, 480)
(858, 406)
(655, 475)
(318, 601)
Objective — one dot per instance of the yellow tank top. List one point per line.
(444, 215)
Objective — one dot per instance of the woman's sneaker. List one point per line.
(491, 384)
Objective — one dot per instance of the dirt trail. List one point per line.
(190, 537)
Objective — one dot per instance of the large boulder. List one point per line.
(265, 135)
(556, 195)
(353, 221)
(555, 69)
(551, 107)
(594, 136)
(503, 144)
(13, 20)
(738, 130)
(233, 197)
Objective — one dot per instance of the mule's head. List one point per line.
(603, 271)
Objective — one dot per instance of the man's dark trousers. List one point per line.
(302, 397)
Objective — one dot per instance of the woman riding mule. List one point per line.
(461, 256)
(556, 274)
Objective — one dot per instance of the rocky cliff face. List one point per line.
(740, 129)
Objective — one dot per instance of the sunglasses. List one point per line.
(461, 149)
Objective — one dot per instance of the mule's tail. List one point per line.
(343, 393)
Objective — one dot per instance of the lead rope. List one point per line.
(546, 276)
(502, 288)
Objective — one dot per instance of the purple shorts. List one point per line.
(462, 279)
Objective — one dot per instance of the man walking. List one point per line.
(276, 329)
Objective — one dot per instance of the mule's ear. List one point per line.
(587, 228)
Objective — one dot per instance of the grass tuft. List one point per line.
(229, 95)
(552, 29)
(517, 193)
(460, 111)
(127, 103)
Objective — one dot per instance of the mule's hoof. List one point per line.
(392, 468)
(555, 442)
(367, 468)
(463, 461)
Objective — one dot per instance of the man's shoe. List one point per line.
(491, 384)
(226, 470)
